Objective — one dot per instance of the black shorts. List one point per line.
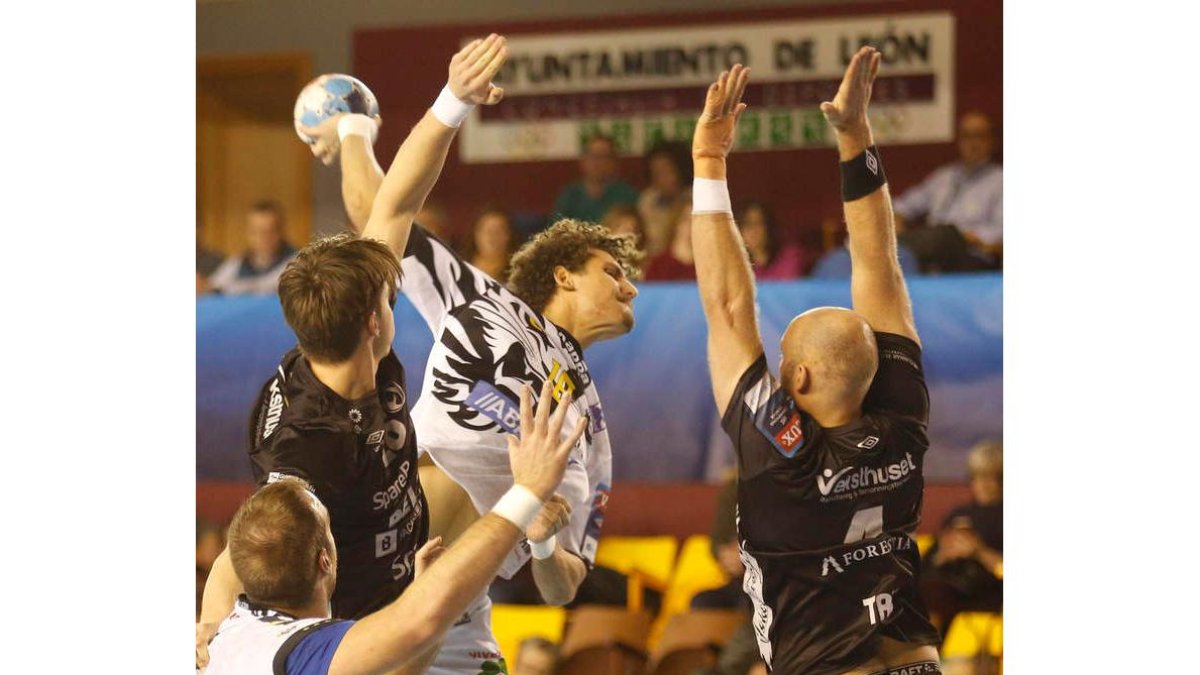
(917, 668)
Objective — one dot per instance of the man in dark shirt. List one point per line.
(964, 569)
(830, 454)
(284, 551)
(335, 413)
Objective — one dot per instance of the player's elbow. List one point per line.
(558, 597)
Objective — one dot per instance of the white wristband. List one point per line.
(357, 124)
(449, 109)
(710, 196)
(518, 506)
(543, 549)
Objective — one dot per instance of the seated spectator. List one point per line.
(536, 656)
(963, 571)
(676, 263)
(739, 656)
(835, 262)
(491, 244)
(601, 187)
(769, 258)
(207, 260)
(625, 219)
(257, 270)
(726, 552)
(961, 204)
(669, 168)
(435, 220)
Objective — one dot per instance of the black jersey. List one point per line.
(825, 516)
(360, 457)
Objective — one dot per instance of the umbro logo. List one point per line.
(869, 442)
(872, 163)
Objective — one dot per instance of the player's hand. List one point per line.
(722, 108)
(474, 66)
(204, 635)
(554, 516)
(428, 554)
(539, 458)
(848, 109)
(326, 145)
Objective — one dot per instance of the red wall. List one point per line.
(406, 67)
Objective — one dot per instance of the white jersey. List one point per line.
(487, 343)
(255, 640)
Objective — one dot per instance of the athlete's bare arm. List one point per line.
(220, 592)
(876, 282)
(406, 628)
(722, 267)
(383, 206)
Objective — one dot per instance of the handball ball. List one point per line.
(329, 95)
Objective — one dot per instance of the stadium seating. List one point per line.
(696, 571)
(975, 635)
(511, 624)
(605, 641)
(692, 640)
(647, 561)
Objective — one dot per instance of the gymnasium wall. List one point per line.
(406, 66)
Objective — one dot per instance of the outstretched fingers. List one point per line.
(565, 448)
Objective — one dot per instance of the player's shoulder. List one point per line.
(896, 347)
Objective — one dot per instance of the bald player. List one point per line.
(829, 454)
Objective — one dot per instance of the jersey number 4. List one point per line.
(865, 524)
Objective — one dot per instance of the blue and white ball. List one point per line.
(329, 95)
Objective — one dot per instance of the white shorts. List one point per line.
(469, 647)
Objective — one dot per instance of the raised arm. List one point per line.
(876, 283)
(383, 206)
(420, 617)
(722, 266)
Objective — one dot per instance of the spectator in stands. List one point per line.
(669, 168)
(676, 263)
(963, 571)
(625, 219)
(601, 187)
(434, 219)
(536, 656)
(207, 260)
(492, 243)
(961, 204)
(257, 270)
(770, 258)
(723, 539)
(835, 262)
(740, 655)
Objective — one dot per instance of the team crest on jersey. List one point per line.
(780, 421)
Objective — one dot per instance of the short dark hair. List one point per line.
(274, 542)
(569, 243)
(678, 153)
(330, 290)
(272, 207)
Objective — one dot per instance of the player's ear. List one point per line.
(325, 562)
(563, 278)
(801, 379)
(374, 325)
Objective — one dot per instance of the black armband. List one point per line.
(862, 175)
